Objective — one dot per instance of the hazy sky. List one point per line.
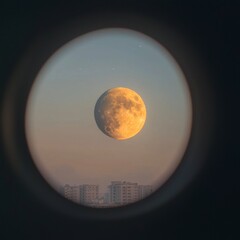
(65, 142)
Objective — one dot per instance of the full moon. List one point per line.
(120, 113)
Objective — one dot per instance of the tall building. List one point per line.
(122, 193)
(89, 194)
(71, 192)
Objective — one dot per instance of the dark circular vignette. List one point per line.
(203, 100)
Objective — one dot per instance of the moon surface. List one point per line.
(120, 113)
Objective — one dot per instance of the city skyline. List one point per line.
(118, 193)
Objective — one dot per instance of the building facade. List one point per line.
(89, 194)
(122, 193)
(71, 192)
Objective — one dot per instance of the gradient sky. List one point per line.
(65, 142)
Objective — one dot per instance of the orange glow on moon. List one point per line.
(120, 113)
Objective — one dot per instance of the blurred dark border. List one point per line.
(210, 209)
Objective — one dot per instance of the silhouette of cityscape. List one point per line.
(119, 193)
